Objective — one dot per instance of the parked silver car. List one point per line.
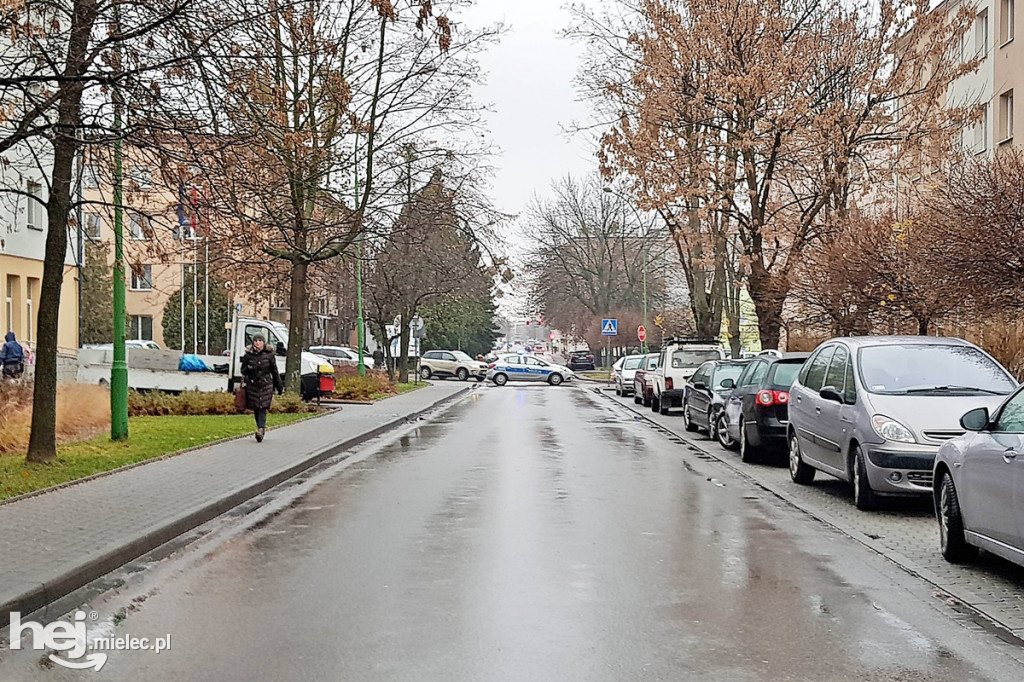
(624, 370)
(979, 485)
(874, 410)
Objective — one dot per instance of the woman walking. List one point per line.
(259, 367)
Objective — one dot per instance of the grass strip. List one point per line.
(150, 437)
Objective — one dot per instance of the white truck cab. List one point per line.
(678, 360)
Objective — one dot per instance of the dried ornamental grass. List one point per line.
(82, 411)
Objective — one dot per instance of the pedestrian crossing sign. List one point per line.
(610, 327)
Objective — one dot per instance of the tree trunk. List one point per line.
(42, 444)
(296, 327)
(732, 312)
(922, 325)
(769, 295)
(403, 351)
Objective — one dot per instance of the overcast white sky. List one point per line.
(529, 86)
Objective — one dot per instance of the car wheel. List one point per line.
(748, 453)
(724, 437)
(555, 379)
(462, 374)
(863, 496)
(618, 388)
(663, 408)
(500, 379)
(425, 373)
(637, 400)
(687, 419)
(655, 404)
(648, 398)
(951, 524)
(799, 471)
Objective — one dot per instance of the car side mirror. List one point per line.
(281, 350)
(700, 385)
(830, 393)
(975, 420)
(728, 384)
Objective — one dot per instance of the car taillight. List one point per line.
(768, 398)
(590, 357)
(668, 383)
(491, 366)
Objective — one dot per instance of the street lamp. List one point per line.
(361, 368)
(640, 221)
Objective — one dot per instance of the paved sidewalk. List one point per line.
(54, 543)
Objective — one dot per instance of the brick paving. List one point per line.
(904, 530)
(54, 543)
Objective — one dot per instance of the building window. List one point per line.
(1006, 116)
(93, 225)
(141, 175)
(1005, 21)
(981, 33)
(9, 312)
(140, 226)
(34, 209)
(91, 177)
(142, 278)
(980, 131)
(30, 319)
(142, 327)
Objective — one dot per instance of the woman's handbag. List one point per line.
(240, 399)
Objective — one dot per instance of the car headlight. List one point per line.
(890, 429)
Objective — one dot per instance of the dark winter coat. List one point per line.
(12, 352)
(261, 378)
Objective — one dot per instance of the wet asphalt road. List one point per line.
(537, 534)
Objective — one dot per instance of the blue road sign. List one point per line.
(610, 327)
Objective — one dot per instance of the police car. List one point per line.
(527, 368)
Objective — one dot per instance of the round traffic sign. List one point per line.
(641, 333)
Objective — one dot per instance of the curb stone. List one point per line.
(32, 596)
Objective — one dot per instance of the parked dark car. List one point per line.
(756, 412)
(580, 359)
(705, 394)
(643, 381)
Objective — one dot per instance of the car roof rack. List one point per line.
(692, 342)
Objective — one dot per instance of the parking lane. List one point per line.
(903, 530)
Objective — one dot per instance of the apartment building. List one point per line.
(164, 247)
(22, 247)
(999, 77)
(162, 237)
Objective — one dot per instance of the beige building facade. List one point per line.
(22, 248)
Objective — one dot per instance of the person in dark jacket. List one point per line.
(259, 367)
(378, 358)
(12, 357)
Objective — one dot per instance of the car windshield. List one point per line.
(727, 372)
(461, 357)
(633, 363)
(931, 369)
(691, 359)
(785, 375)
(652, 363)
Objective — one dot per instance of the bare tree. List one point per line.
(589, 257)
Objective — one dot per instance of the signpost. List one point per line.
(609, 328)
(641, 333)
